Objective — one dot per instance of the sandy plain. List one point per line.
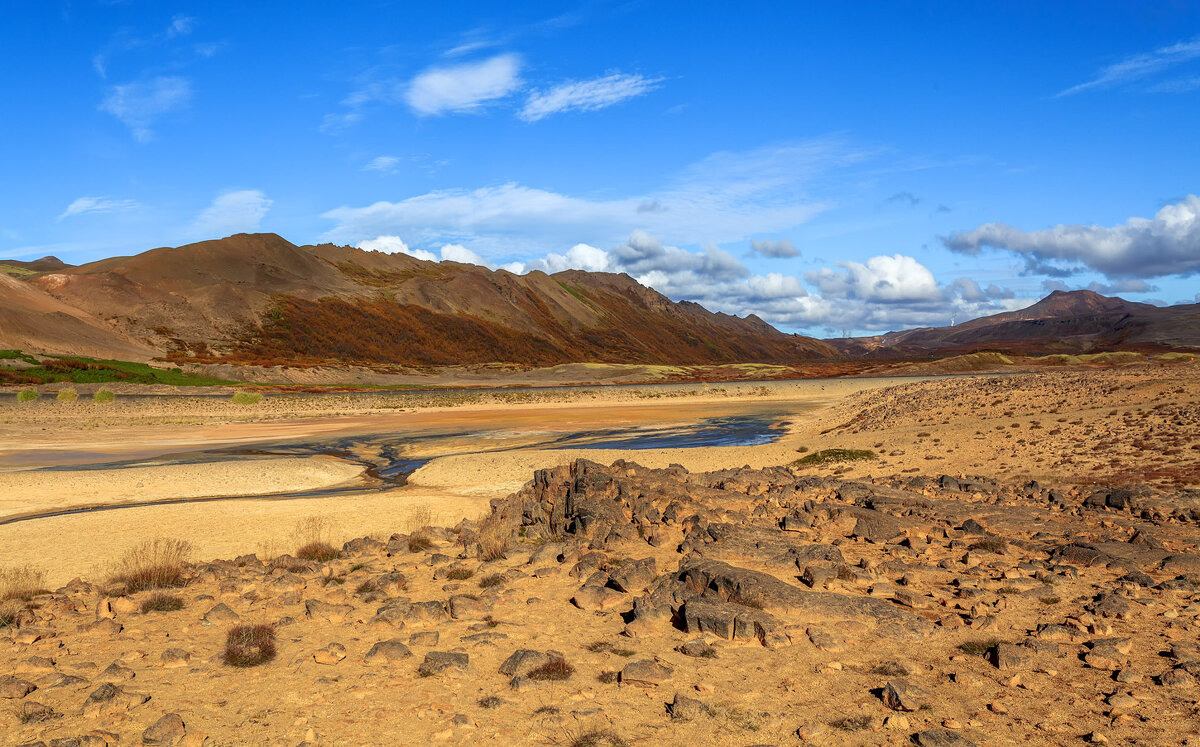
(1061, 611)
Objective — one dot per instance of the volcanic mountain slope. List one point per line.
(257, 298)
(1063, 322)
(32, 320)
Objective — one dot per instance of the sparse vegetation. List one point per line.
(852, 723)
(990, 544)
(160, 602)
(153, 564)
(598, 738)
(834, 456)
(314, 535)
(247, 398)
(67, 395)
(419, 542)
(27, 395)
(249, 645)
(459, 574)
(21, 583)
(490, 701)
(554, 670)
(491, 580)
(890, 669)
(80, 370)
(492, 541)
(104, 396)
(607, 677)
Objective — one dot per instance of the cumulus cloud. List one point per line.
(778, 249)
(395, 245)
(1168, 244)
(1139, 66)
(232, 212)
(84, 205)
(140, 104)
(465, 87)
(725, 197)
(882, 279)
(586, 95)
(384, 164)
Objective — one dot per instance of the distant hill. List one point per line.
(1063, 322)
(259, 299)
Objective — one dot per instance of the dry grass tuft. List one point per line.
(459, 574)
(597, 738)
(419, 542)
(153, 564)
(493, 540)
(491, 580)
(21, 583)
(314, 536)
(159, 602)
(250, 645)
(554, 670)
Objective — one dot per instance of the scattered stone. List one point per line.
(221, 613)
(683, 708)
(331, 654)
(388, 651)
(645, 672)
(168, 730)
(437, 662)
(13, 688)
(902, 695)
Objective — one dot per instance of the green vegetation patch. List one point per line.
(27, 395)
(833, 456)
(1172, 357)
(92, 371)
(247, 398)
(17, 272)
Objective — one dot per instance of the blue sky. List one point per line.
(828, 166)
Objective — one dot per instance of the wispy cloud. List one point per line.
(98, 205)
(232, 212)
(725, 197)
(464, 88)
(180, 26)
(1139, 66)
(140, 104)
(586, 95)
(383, 164)
(781, 249)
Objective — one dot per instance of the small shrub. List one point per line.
(1049, 600)
(1009, 590)
(979, 648)
(314, 535)
(367, 587)
(802, 450)
(21, 583)
(419, 542)
(598, 738)
(247, 398)
(153, 564)
(8, 618)
(607, 677)
(161, 603)
(834, 456)
(493, 579)
(493, 541)
(67, 395)
(852, 723)
(990, 544)
(250, 645)
(546, 709)
(490, 701)
(27, 395)
(459, 574)
(104, 396)
(320, 552)
(554, 670)
(890, 669)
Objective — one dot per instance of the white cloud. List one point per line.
(395, 245)
(385, 164)
(180, 26)
(586, 95)
(1139, 66)
(98, 205)
(883, 279)
(230, 213)
(459, 253)
(1168, 244)
(578, 257)
(465, 87)
(723, 198)
(780, 249)
(140, 104)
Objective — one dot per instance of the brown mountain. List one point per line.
(1063, 322)
(257, 298)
